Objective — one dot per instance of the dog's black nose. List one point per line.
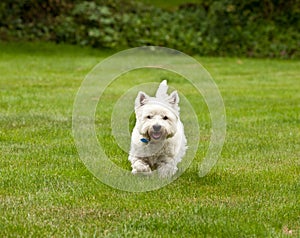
(156, 127)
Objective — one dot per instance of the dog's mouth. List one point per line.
(156, 135)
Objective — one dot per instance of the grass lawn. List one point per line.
(45, 189)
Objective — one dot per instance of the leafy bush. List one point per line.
(267, 28)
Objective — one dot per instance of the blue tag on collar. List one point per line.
(144, 140)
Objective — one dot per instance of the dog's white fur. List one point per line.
(158, 140)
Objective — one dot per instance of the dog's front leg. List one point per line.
(139, 166)
(167, 168)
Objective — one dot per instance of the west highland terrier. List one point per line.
(158, 141)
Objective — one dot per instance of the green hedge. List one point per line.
(253, 28)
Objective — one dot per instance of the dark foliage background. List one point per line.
(253, 28)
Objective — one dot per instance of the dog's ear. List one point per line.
(141, 99)
(173, 99)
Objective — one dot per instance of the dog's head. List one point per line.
(156, 119)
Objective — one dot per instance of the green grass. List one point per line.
(45, 190)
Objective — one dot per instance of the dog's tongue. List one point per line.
(156, 135)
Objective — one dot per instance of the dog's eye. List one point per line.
(165, 118)
(149, 117)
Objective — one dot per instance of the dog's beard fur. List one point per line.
(158, 123)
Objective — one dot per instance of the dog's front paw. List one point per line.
(140, 167)
(167, 170)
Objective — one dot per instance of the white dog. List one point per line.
(158, 140)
